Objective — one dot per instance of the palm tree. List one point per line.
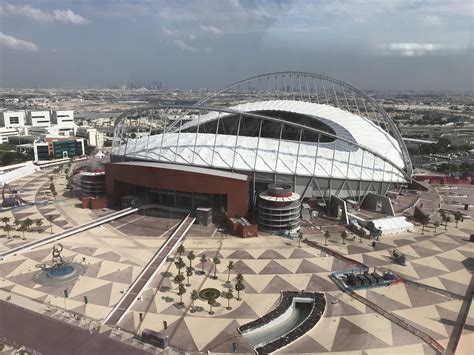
(210, 302)
(28, 223)
(229, 295)
(179, 279)
(194, 297)
(39, 223)
(457, 217)
(344, 236)
(239, 286)
(189, 273)
(181, 250)
(8, 228)
(436, 225)
(425, 219)
(216, 261)
(191, 257)
(17, 223)
(230, 266)
(23, 229)
(203, 260)
(180, 264)
(5, 220)
(446, 220)
(300, 238)
(50, 218)
(240, 277)
(326, 237)
(181, 292)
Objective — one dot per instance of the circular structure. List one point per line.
(319, 135)
(59, 275)
(209, 293)
(279, 209)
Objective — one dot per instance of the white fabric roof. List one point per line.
(287, 157)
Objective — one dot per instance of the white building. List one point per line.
(92, 136)
(7, 132)
(12, 119)
(64, 119)
(38, 119)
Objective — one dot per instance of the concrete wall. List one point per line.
(378, 203)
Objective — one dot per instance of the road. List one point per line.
(50, 336)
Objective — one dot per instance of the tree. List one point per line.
(181, 250)
(54, 195)
(436, 225)
(189, 273)
(300, 238)
(229, 295)
(50, 218)
(230, 266)
(179, 279)
(425, 219)
(210, 302)
(457, 217)
(216, 261)
(191, 257)
(181, 292)
(23, 229)
(8, 228)
(446, 220)
(203, 260)
(52, 187)
(326, 237)
(344, 236)
(362, 234)
(239, 286)
(180, 264)
(39, 223)
(194, 297)
(17, 223)
(240, 277)
(5, 220)
(28, 223)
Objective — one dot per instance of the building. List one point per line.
(92, 136)
(317, 135)
(38, 118)
(58, 147)
(12, 119)
(5, 133)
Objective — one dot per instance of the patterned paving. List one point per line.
(347, 324)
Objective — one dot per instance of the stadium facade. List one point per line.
(319, 135)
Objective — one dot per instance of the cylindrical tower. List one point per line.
(279, 209)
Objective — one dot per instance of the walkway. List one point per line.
(70, 232)
(149, 272)
(50, 336)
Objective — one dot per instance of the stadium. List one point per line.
(314, 134)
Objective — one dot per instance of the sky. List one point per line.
(190, 44)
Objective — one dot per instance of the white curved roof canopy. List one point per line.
(334, 159)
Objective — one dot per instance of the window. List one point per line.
(14, 120)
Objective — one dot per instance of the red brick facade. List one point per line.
(237, 190)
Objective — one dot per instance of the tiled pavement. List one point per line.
(348, 325)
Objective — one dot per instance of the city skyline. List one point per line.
(396, 45)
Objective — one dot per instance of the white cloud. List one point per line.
(210, 29)
(410, 49)
(15, 43)
(27, 11)
(184, 46)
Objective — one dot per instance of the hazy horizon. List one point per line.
(381, 45)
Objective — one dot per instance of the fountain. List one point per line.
(60, 272)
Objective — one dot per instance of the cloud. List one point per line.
(210, 29)
(15, 43)
(27, 11)
(184, 46)
(406, 49)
